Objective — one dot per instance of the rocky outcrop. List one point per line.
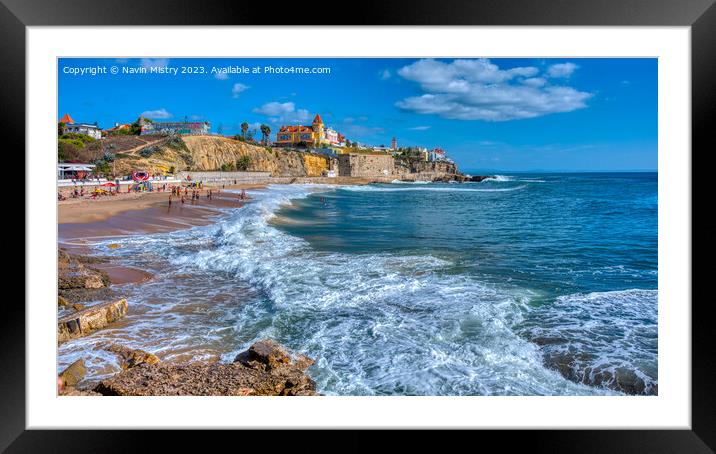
(74, 373)
(269, 355)
(77, 281)
(129, 358)
(211, 152)
(70, 377)
(266, 369)
(91, 319)
(621, 379)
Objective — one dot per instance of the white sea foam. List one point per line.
(376, 323)
(500, 178)
(600, 332)
(410, 182)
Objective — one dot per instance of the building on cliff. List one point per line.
(89, 129)
(436, 154)
(182, 128)
(316, 135)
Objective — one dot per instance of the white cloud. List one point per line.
(158, 114)
(535, 82)
(273, 109)
(480, 90)
(284, 113)
(419, 128)
(561, 70)
(221, 76)
(238, 89)
(154, 62)
(385, 74)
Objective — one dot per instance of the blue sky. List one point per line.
(488, 114)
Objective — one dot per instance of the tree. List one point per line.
(265, 133)
(243, 162)
(244, 129)
(348, 143)
(60, 128)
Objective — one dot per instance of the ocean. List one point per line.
(526, 284)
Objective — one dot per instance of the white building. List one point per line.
(74, 170)
(83, 128)
(436, 154)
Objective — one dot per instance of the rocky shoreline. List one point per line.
(265, 369)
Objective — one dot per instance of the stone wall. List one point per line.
(365, 166)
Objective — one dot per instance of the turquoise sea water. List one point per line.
(524, 284)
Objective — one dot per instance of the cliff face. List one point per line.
(208, 153)
(410, 166)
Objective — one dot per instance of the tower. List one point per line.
(319, 133)
(393, 144)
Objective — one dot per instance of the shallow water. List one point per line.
(425, 289)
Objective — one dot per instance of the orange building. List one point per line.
(316, 135)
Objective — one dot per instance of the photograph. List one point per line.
(357, 226)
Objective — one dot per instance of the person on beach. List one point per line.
(170, 200)
(182, 200)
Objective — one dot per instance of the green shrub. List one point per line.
(243, 162)
(148, 151)
(84, 138)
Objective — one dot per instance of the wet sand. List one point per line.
(83, 222)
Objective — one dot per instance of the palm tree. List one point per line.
(265, 132)
(244, 129)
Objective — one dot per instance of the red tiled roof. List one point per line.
(66, 119)
(296, 129)
(317, 119)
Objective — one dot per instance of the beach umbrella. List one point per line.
(109, 184)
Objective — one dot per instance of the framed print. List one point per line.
(476, 221)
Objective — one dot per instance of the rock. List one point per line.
(269, 355)
(72, 274)
(91, 319)
(572, 367)
(113, 246)
(131, 358)
(271, 371)
(79, 392)
(62, 301)
(74, 373)
(78, 306)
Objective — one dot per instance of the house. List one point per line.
(118, 128)
(89, 129)
(316, 135)
(436, 154)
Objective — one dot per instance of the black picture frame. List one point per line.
(700, 15)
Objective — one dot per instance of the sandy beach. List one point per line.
(82, 221)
